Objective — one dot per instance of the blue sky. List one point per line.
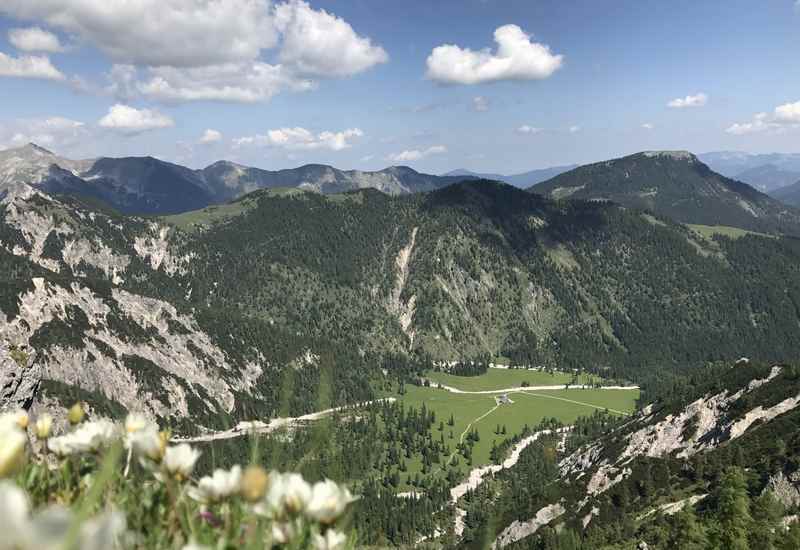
(368, 83)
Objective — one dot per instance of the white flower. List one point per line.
(13, 514)
(328, 501)
(287, 493)
(103, 532)
(332, 540)
(88, 437)
(13, 442)
(136, 422)
(282, 532)
(18, 418)
(195, 546)
(296, 492)
(219, 486)
(48, 529)
(145, 443)
(179, 460)
(43, 426)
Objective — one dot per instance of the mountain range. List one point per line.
(146, 185)
(646, 269)
(191, 317)
(789, 194)
(523, 180)
(766, 172)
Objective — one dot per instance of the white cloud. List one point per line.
(574, 129)
(697, 100)
(416, 154)
(788, 113)
(34, 39)
(53, 131)
(209, 50)
(526, 129)
(210, 136)
(180, 33)
(129, 120)
(516, 58)
(760, 123)
(233, 82)
(29, 66)
(782, 117)
(480, 104)
(317, 43)
(647, 126)
(301, 139)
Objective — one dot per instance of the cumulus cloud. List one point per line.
(647, 126)
(527, 129)
(128, 120)
(317, 43)
(210, 136)
(29, 66)
(301, 139)
(789, 113)
(181, 33)
(416, 154)
(35, 39)
(697, 100)
(53, 131)
(202, 50)
(232, 82)
(782, 117)
(480, 104)
(517, 58)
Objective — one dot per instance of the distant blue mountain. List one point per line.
(523, 181)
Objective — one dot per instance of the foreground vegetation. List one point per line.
(101, 485)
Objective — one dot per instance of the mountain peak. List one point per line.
(675, 155)
(32, 148)
(677, 185)
(401, 170)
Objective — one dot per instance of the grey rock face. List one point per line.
(785, 489)
(19, 377)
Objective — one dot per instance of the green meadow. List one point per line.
(480, 411)
(499, 379)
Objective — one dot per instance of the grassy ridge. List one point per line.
(710, 231)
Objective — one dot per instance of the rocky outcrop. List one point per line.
(786, 489)
(521, 529)
(404, 311)
(19, 377)
(706, 418)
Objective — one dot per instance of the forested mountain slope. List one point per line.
(711, 464)
(677, 185)
(482, 267)
(101, 300)
(197, 314)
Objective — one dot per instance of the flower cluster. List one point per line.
(291, 502)
(227, 506)
(51, 528)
